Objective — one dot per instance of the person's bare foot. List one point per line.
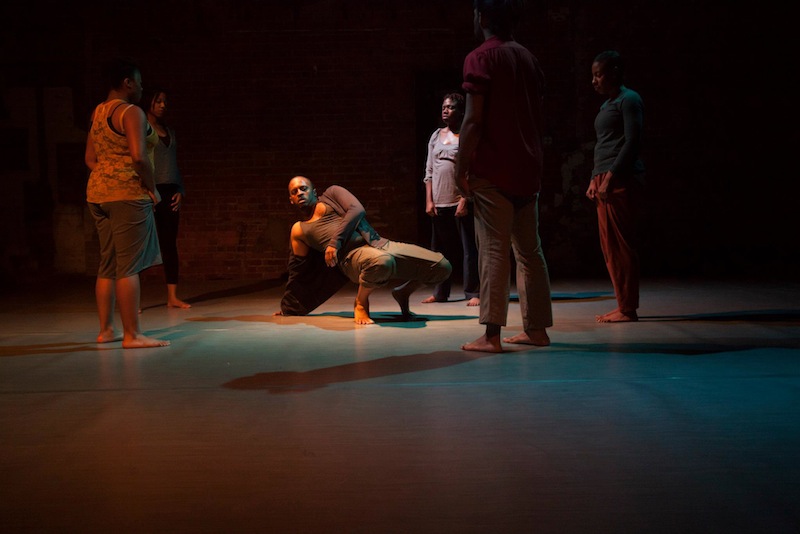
(430, 300)
(617, 316)
(361, 314)
(474, 301)
(484, 344)
(108, 335)
(536, 337)
(178, 303)
(140, 341)
(401, 294)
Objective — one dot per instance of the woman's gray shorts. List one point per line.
(128, 237)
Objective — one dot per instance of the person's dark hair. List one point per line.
(116, 70)
(457, 99)
(502, 16)
(149, 94)
(612, 62)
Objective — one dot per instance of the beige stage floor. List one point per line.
(688, 421)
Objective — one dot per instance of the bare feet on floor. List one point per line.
(361, 314)
(430, 300)
(178, 303)
(401, 294)
(474, 301)
(108, 336)
(538, 338)
(142, 342)
(484, 344)
(617, 316)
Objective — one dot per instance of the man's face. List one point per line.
(301, 192)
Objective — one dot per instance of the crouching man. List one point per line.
(334, 226)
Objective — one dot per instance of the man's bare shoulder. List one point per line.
(297, 240)
(297, 230)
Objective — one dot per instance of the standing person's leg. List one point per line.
(104, 285)
(493, 222)
(445, 241)
(128, 292)
(533, 279)
(104, 290)
(136, 245)
(617, 220)
(472, 281)
(167, 222)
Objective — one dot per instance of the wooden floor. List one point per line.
(688, 421)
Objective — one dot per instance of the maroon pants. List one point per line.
(618, 221)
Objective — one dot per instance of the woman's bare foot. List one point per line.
(484, 344)
(474, 301)
(140, 341)
(178, 303)
(108, 335)
(430, 300)
(537, 337)
(361, 314)
(617, 316)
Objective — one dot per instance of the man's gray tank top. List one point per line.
(320, 232)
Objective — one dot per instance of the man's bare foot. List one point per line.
(474, 301)
(430, 300)
(178, 303)
(484, 344)
(536, 337)
(401, 294)
(361, 314)
(140, 341)
(617, 316)
(108, 335)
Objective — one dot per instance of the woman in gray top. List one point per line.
(452, 222)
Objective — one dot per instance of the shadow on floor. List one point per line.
(255, 287)
(278, 382)
(397, 320)
(53, 348)
(301, 381)
(791, 317)
(337, 321)
(682, 349)
(584, 296)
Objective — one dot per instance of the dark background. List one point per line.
(348, 92)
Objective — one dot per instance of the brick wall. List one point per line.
(329, 93)
(348, 91)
